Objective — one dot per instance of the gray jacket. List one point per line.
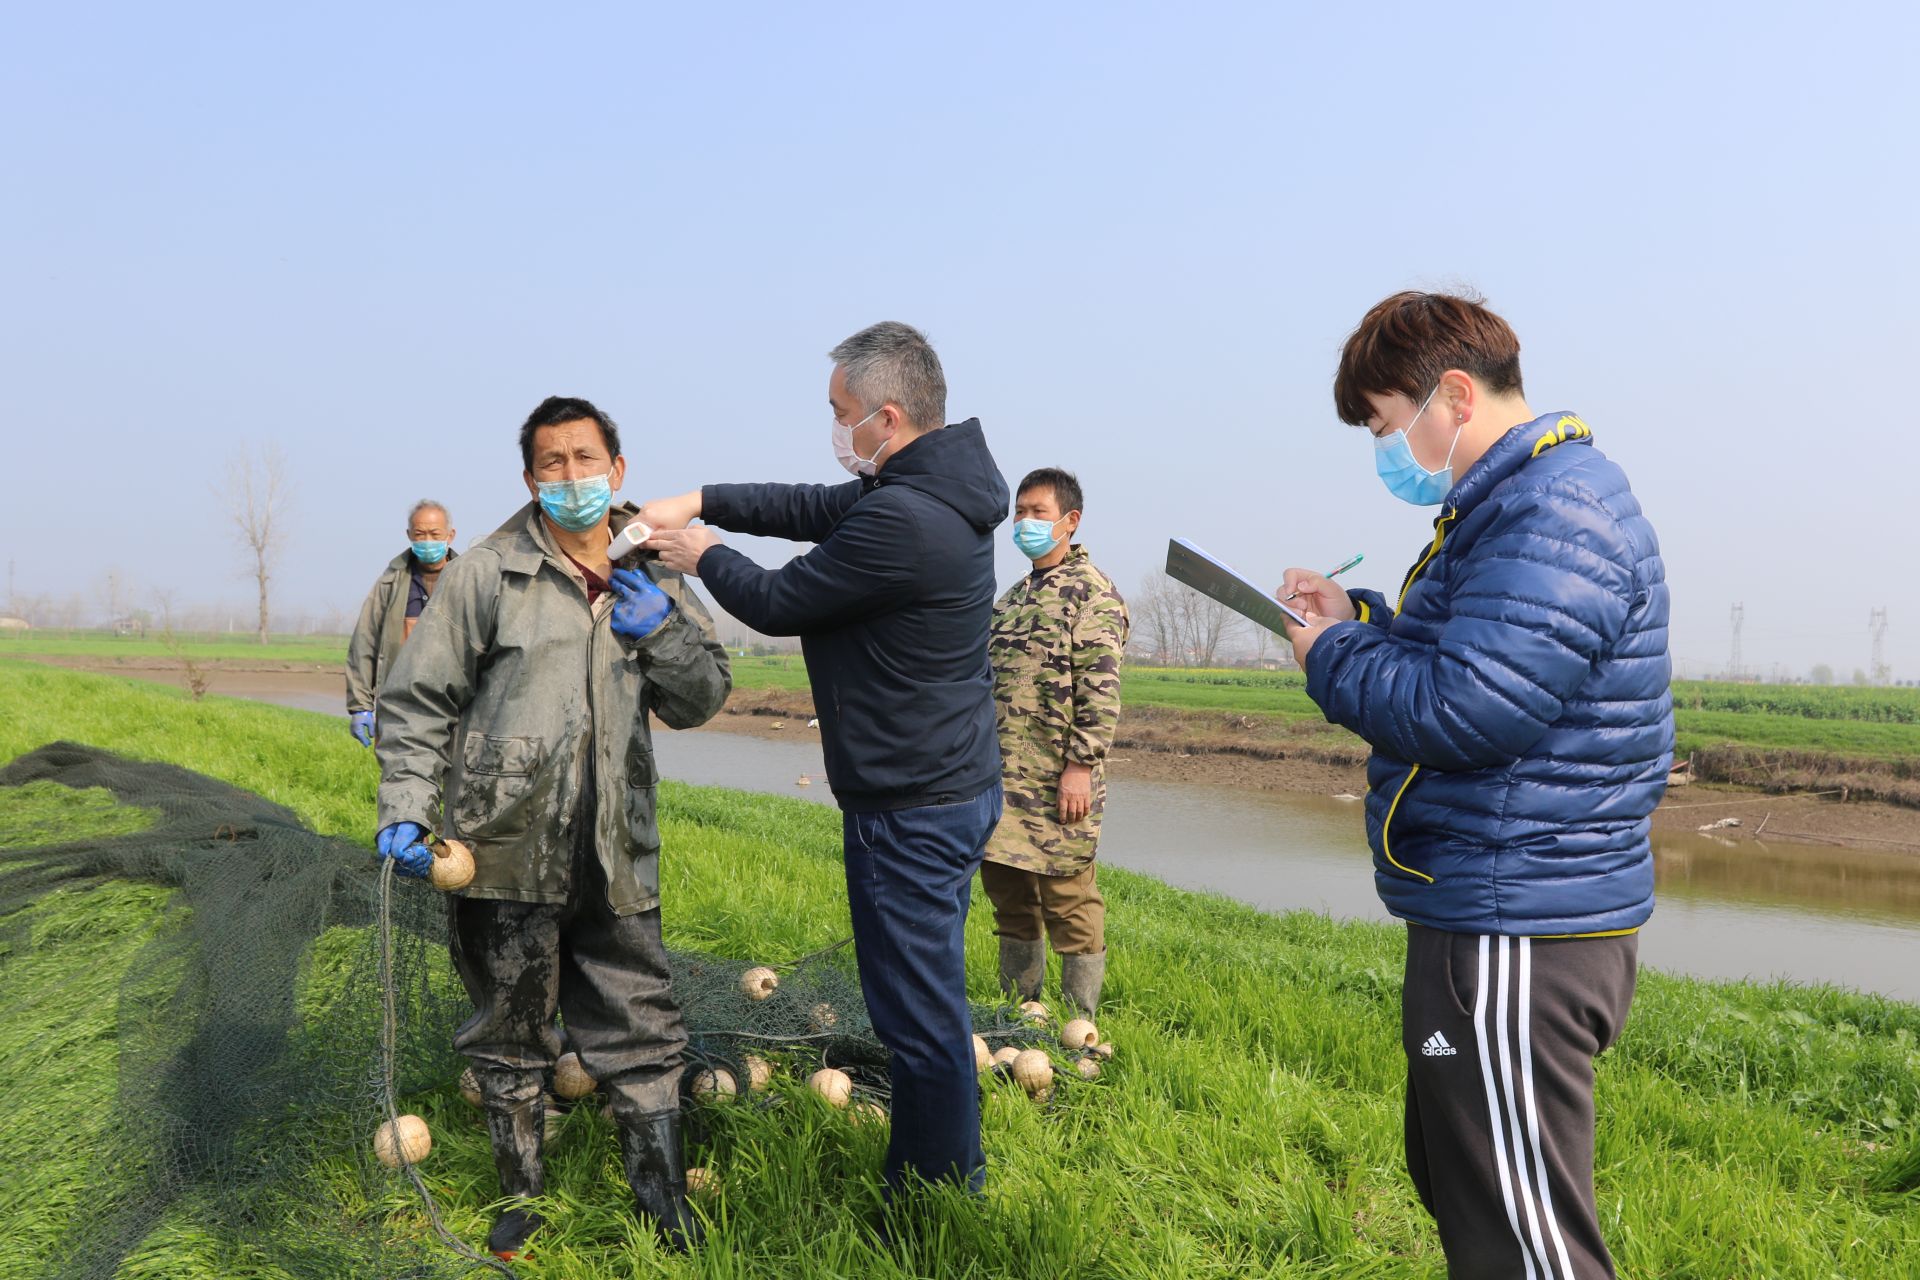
(379, 633)
(513, 697)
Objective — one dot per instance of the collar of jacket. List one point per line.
(1511, 452)
(524, 545)
(1075, 552)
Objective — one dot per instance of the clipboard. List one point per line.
(1216, 580)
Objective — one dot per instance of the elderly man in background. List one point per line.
(1058, 635)
(392, 609)
(519, 712)
(892, 608)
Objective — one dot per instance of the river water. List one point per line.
(1805, 912)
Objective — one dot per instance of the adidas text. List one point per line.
(1436, 1046)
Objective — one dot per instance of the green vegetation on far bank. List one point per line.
(1249, 1124)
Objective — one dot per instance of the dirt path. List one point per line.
(1202, 749)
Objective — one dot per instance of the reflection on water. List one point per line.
(1804, 912)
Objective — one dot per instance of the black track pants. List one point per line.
(1501, 1034)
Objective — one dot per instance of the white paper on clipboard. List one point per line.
(1214, 579)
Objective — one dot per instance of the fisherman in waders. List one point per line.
(1516, 698)
(392, 610)
(1058, 635)
(528, 688)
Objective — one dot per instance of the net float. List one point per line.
(834, 1085)
(570, 1078)
(1079, 1034)
(452, 867)
(715, 1082)
(405, 1139)
(1033, 1071)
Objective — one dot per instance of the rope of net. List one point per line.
(389, 1031)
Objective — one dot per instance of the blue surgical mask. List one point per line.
(575, 505)
(429, 552)
(1034, 537)
(1402, 473)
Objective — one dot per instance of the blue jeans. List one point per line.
(909, 880)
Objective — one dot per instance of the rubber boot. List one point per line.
(516, 1122)
(656, 1164)
(1023, 967)
(1081, 978)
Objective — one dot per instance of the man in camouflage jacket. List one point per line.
(1055, 647)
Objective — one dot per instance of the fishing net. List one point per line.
(252, 1026)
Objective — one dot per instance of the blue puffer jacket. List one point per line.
(1517, 699)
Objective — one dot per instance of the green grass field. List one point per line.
(1249, 1125)
(215, 647)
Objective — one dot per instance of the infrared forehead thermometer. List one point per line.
(628, 540)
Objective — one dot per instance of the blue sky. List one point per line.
(1137, 234)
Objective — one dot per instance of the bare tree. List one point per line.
(197, 679)
(1156, 627)
(1206, 624)
(1174, 624)
(258, 493)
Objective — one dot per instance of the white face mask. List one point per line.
(843, 447)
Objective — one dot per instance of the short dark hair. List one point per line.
(1409, 340)
(555, 410)
(1065, 486)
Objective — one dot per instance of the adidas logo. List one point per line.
(1436, 1046)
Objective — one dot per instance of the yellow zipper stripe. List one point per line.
(1439, 536)
(1604, 933)
(1365, 609)
(1387, 826)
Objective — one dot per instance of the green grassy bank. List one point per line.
(200, 646)
(1249, 1124)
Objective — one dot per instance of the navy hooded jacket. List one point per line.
(892, 609)
(1517, 699)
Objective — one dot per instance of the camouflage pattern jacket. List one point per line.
(1055, 646)
(514, 696)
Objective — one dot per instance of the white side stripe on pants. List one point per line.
(1493, 1103)
(1533, 1116)
(1504, 1106)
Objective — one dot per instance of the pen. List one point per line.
(1332, 573)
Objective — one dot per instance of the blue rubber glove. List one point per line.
(360, 724)
(401, 842)
(641, 607)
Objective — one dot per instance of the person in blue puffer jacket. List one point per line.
(1516, 697)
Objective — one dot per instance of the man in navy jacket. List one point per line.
(892, 606)
(1516, 699)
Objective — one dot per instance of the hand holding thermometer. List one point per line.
(1331, 574)
(628, 540)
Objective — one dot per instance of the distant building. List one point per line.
(14, 624)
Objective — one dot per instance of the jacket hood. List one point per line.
(954, 466)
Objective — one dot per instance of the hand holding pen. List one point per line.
(1294, 587)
